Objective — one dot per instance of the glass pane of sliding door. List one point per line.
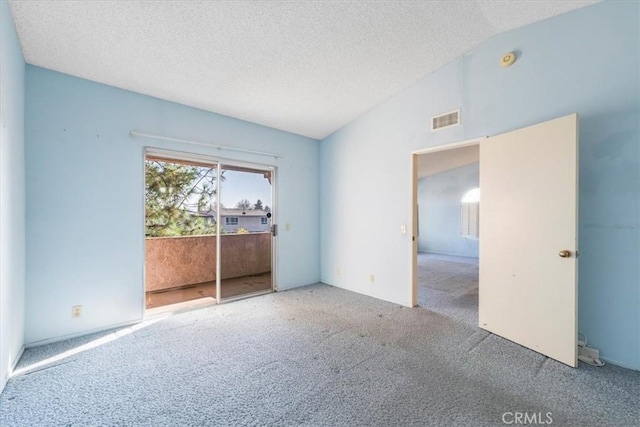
(245, 221)
(180, 232)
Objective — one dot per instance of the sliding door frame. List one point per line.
(254, 167)
(218, 162)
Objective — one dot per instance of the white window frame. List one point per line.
(470, 215)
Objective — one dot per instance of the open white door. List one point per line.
(528, 237)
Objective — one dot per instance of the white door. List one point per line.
(528, 237)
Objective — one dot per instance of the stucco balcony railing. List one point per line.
(172, 262)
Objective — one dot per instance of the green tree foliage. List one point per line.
(258, 205)
(176, 196)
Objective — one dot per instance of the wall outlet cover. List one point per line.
(589, 352)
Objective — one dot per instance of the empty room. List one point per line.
(319, 213)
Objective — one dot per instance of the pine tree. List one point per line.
(175, 196)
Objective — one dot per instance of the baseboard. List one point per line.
(450, 254)
(4, 380)
(282, 288)
(362, 292)
(82, 334)
(616, 363)
(16, 360)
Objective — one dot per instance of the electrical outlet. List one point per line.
(338, 271)
(287, 226)
(592, 353)
(76, 311)
(372, 278)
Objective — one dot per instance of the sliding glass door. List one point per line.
(246, 229)
(208, 230)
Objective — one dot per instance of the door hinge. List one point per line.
(274, 230)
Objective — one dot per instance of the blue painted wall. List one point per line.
(12, 204)
(586, 61)
(84, 189)
(439, 197)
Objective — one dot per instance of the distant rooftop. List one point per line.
(234, 212)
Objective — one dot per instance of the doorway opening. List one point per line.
(446, 189)
(209, 230)
(527, 255)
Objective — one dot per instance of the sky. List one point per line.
(238, 185)
(244, 185)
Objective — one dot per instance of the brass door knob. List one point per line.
(565, 254)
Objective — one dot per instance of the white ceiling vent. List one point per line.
(445, 120)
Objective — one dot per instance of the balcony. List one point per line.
(179, 269)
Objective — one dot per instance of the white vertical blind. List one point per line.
(470, 220)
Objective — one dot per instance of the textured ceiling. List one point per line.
(307, 67)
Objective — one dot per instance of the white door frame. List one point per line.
(216, 161)
(414, 204)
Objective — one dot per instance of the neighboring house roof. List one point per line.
(225, 212)
(241, 212)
